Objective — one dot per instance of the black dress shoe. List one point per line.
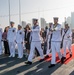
(46, 56)
(51, 65)
(28, 63)
(62, 60)
(41, 60)
(70, 55)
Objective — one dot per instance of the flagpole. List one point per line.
(19, 12)
(9, 11)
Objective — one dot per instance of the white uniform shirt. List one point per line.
(35, 34)
(56, 35)
(68, 35)
(0, 34)
(48, 34)
(11, 35)
(20, 36)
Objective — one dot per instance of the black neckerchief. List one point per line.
(65, 30)
(49, 29)
(35, 26)
(54, 25)
(50, 39)
(63, 37)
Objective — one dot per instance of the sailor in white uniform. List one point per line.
(20, 41)
(36, 42)
(48, 39)
(67, 40)
(55, 42)
(1, 41)
(11, 37)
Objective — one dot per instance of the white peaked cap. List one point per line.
(19, 25)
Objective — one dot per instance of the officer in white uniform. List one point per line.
(48, 39)
(1, 41)
(36, 42)
(67, 40)
(11, 37)
(55, 42)
(20, 41)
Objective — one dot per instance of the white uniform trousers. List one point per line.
(1, 48)
(20, 50)
(12, 48)
(55, 46)
(67, 43)
(32, 51)
(48, 50)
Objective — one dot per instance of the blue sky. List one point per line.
(49, 8)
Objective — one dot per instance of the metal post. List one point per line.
(9, 11)
(19, 12)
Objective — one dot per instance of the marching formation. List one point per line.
(37, 40)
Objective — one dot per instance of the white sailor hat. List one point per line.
(35, 19)
(11, 22)
(19, 25)
(55, 18)
(50, 23)
(28, 24)
(66, 24)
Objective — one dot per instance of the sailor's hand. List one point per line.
(52, 30)
(29, 30)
